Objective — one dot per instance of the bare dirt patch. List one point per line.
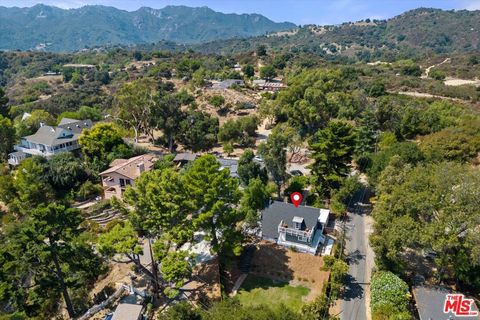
(205, 282)
(276, 263)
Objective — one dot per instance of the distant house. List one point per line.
(79, 66)
(122, 173)
(127, 311)
(237, 67)
(230, 164)
(301, 228)
(182, 159)
(265, 85)
(225, 84)
(48, 141)
(430, 303)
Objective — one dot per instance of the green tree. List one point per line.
(437, 74)
(261, 51)
(268, 72)
(341, 198)
(167, 115)
(123, 240)
(50, 242)
(198, 131)
(65, 171)
(332, 150)
(160, 202)
(181, 311)
(295, 184)
(217, 101)
(31, 124)
(230, 132)
(248, 70)
(249, 169)
(4, 109)
(134, 103)
(275, 158)
(31, 185)
(228, 148)
(7, 137)
(429, 208)
(215, 195)
(100, 142)
(376, 89)
(390, 297)
(255, 198)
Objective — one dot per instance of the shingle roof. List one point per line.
(129, 168)
(430, 302)
(185, 157)
(278, 211)
(68, 130)
(231, 164)
(126, 311)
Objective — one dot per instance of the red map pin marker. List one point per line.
(296, 198)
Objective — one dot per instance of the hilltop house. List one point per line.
(123, 172)
(271, 86)
(299, 227)
(48, 141)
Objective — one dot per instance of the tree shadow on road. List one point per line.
(354, 257)
(352, 289)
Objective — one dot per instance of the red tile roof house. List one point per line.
(122, 173)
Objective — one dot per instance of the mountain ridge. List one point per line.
(56, 29)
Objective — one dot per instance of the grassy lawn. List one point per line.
(258, 290)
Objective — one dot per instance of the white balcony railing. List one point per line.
(294, 232)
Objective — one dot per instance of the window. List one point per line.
(122, 182)
(129, 182)
(300, 238)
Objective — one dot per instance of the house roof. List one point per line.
(129, 168)
(185, 157)
(68, 130)
(430, 302)
(127, 311)
(230, 164)
(278, 211)
(324, 213)
(225, 84)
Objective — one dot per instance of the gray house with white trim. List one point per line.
(48, 140)
(299, 227)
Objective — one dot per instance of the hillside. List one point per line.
(413, 32)
(54, 29)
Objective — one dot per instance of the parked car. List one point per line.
(296, 173)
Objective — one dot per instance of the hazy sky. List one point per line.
(297, 11)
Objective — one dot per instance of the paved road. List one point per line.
(353, 303)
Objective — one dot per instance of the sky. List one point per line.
(297, 11)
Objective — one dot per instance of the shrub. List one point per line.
(89, 190)
(390, 296)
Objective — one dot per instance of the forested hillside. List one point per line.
(409, 34)
(54, 29)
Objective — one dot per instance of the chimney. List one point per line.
(140, 168)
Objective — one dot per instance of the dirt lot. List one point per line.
(206, 282)
(277, 263)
